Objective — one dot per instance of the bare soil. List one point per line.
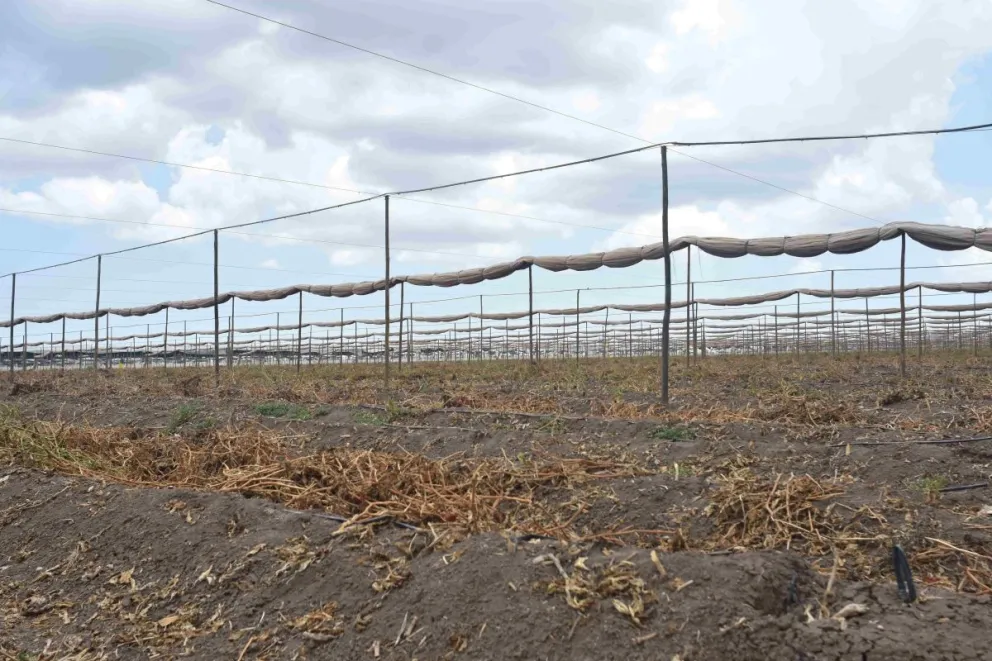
(741, 523)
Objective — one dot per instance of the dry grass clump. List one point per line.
(754, 512)
(585, 587)
(471, 495)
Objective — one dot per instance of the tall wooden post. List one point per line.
(10, 351)
(688, 301)
(576, 325)
(530, 314)
(96, 315)
(867, 327)
(833, 318)
(667, 317)
(388, 325)
(409, 343)
(341, 342)
(798, 296)
(299, 335)
(974, 321)
(230, 337)
(399, 359)
(902, 308)
(216, 310)
(165, 342)
(482, 331)
(919, 322)
(63, 343)
(776, 330)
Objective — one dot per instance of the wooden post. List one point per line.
(902, 308)
(106, 326)
(833, 318)
(341, 342)
(606, 332)
(165, 342)
(798, 296)
(399, 360)
(63, 343)
(388, 325)
(974, 320)
(867, 327)
(530, 315)
(667, 317)
(919, 323)
(216, 311)
(688, 301)
(695, 324)
(230, 338)
(482, 330)
(299, 335)
(409, 343)
(10, 350)
(96, 317)
(576, 325)
(776, 330)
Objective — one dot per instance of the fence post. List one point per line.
(667, 317)
(341, 341)
(482, 331)
(606, 332)
(299, 335)
(919, 323)
(96, 317)
(833, 317)
(695, 324)
(576, 325)
(798, 296)
(688, 303)
(409, 338)
(230, 338)
(10, 351)
(776, 330)
(216, 311)
(530, 315)
(902, 308)
(974, 321)
(867, 327)
(63, 343)
(388, 325)
(165, 342)
(399, 359)
(106, 341)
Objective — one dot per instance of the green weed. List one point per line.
(674, 434)
(283, 410)
(181, 416)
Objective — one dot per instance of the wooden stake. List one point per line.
(216, 310)
(667, 318)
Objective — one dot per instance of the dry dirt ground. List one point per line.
(478, 513)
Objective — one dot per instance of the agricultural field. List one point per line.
(498, 510)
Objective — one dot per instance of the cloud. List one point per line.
(288, 106)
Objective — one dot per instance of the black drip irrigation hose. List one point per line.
(964, 487)
(904, 575)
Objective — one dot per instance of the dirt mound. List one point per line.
(92, 571)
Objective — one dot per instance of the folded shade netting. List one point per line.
(560, 331)
(937, 237)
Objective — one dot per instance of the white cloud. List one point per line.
(964, 212)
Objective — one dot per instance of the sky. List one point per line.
(191, 82)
